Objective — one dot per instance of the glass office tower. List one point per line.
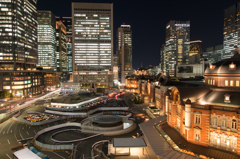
(163, 58)
(61, 53)
(67, 21)
(177, 45)
(46, 40)
(124, 51)
(93, 44)
(18, 36)
(231, 29)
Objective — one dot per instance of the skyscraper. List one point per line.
(61, 52)
(46, 40)
(230, 29)
(163, 58)
(92, 43)
(124, 51)
(67, 21)
(177, 45)
(18, 44)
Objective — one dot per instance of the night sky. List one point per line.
(149, 18)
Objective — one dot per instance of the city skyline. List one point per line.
(204, 28)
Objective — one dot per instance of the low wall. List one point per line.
(120, 127)
(86, 114)
(53, 147)
(112, 133)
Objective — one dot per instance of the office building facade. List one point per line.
(163, 60)
(230, 29)
(47, 40)
(67, 21)
(92, 44)
(21, 84)
(177, 45)
(18, 45)
(214, 54)
(124, 51)
(195, 52)
(61, 52)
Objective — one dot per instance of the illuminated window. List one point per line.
(209, 81)
(237, 83)
(6, 87)
(227, 98)
(226, 82)
(231, 82)
(213, 82)
(232, 66)
(212, 67)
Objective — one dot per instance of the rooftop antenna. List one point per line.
(141, 64)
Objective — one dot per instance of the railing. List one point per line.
(77, 140)
(150, 114)
(54, 147)
(93, 148)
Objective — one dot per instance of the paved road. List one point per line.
(11, 132)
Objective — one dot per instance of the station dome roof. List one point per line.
(226, 66)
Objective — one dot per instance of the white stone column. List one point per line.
(188, 115)
(166, 104)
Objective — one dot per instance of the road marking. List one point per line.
(3, 132)
(22, 127)
(59, 155)
(27, 133)
(4, 125)
(8, 156)
(9, 127)
(21, 135)
(11, 131)
(8, 141)
(34, 131)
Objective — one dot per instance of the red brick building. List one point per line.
(209, 115)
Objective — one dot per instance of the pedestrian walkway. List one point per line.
(207, 151)
(158, 144)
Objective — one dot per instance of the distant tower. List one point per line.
(47, 40)
(177, 45)
(18, 46)
(230, 29)
(124, 51)
(92, 37)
